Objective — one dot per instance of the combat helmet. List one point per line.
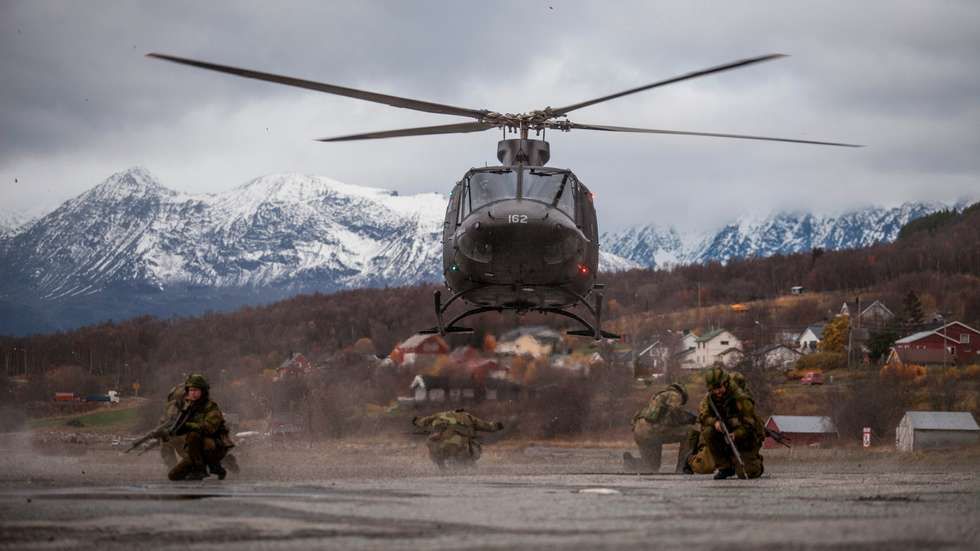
(679, 388)
(715, 377)
(196, 380)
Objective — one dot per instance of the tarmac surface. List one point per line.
(373, 496)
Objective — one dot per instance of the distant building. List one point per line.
(296, 365)
(797, 289)
(802, 430)
(534, 341)
(960, 341)
(923, 430)
(810, 338)
(408, 352)
(778, 356)
(875, 315)
(715, 346)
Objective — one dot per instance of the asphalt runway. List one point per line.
(511, 501)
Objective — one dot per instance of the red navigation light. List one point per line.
(583, 269)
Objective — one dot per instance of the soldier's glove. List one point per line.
(498, 425)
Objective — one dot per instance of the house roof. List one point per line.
(710, 335)
(816, 329)
(879, 303)
(773, 347)
(921, 335)
(417, 339)
(730, 350)
(803, 424)
(942, 420)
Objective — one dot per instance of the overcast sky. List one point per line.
(79, 101)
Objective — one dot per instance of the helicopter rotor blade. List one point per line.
(728, 66)
(394, 101)
(420, 131)
(570, 125)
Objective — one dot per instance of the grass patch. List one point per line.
(102, 419)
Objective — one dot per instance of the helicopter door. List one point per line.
(452, 213)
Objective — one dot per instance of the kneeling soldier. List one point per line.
(206, 439)
(733, 410)
(663, 421)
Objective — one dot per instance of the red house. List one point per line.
(412, 349)
(962, 343)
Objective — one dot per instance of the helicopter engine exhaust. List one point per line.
(523, 151)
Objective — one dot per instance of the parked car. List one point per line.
(812, 378)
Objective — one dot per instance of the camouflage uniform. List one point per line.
(206, 439)
(452, 436)
(172, 449)
(662, 421)
(737, 409)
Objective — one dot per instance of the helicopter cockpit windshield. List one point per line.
(489, 186)
(553, 187)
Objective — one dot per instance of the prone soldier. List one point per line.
(452, 436)
(731, 433)
(664, 420)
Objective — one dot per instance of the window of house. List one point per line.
(964, 338)
(724, 343)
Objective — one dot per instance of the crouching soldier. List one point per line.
(727, 406)
(452, 436)
(172, 447)
(663, 421)
(206, 439)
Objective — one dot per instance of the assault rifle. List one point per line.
(778, 437)
(166, 429)
(728, 435)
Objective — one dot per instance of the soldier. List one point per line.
(737, 411)
(662, 421)
(206, 439)
(452, 437)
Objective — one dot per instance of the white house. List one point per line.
(810, 338)
(778, 356)
(920, 430)
(713, 346)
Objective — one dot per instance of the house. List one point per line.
(778, 356)
(875, 315)
(730, 357)
(797, 289)
(296, 365)
(534, 341)
(689, 341)
(810, 338)
(710, 347)
(922, 430)
(802, 430)
(960, 341)
(432, 388)
(652, 359)
(685, 359)
(419, 346)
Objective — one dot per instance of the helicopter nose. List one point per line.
(523, 233)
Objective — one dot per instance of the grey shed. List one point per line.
(922, 430)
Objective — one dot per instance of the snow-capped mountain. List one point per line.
(11, 222)
(131, 246)
(781, 233)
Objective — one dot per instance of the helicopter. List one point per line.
(520, 236)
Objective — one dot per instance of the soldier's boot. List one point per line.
(686, 468)
(231, 462)
(187, 470)
(722, 474)
(218, 470)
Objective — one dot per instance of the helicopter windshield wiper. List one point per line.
(561, 189)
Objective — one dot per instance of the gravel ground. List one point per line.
(383, 494)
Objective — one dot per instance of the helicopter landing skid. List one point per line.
(591, 329)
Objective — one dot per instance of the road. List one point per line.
(532, 498)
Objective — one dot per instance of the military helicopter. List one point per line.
(520, 236)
